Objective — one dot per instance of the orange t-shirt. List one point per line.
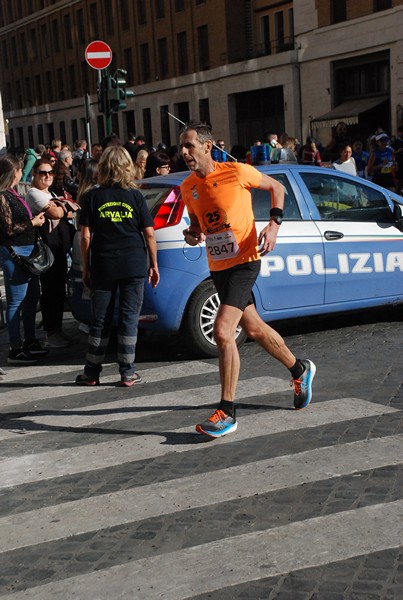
(222, 204)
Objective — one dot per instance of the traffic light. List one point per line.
(101, 93)
(117, 92)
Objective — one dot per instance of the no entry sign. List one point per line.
(98, 55)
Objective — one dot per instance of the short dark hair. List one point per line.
(203, 130)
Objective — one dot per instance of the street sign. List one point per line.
(98, 55)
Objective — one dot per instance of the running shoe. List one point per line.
(36, 349)
(19, 356)
(84, 379)
(218, 424)
(303, 385)
(129, 380)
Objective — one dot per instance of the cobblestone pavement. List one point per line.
(107, 493)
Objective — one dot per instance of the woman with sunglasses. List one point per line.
(17, 232)
(56, 233)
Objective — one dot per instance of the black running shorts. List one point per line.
(234, 285)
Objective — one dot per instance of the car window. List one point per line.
(345, 200)
(154, 196)
(261, 202)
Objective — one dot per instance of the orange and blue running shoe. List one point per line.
(218, 424)
(303, 385)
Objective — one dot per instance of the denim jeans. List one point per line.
(22, 295)
(131, 291)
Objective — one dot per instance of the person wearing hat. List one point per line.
(380, 163)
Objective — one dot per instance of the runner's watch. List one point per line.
(276, 215)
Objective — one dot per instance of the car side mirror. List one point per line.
(398, 216)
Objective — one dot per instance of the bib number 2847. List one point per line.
(222, 246)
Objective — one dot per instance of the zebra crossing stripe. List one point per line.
(135, 406)
(168, 497)
(59, 463)
(65, 386)
(209, 567)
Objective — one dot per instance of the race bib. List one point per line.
(387, 168)
(221, 246)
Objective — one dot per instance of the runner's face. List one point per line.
(196, 155)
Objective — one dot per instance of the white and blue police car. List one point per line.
(339, 248)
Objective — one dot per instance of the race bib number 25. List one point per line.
(221, 246)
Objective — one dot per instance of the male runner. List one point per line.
(220, 210)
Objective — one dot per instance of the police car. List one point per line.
(339, 248)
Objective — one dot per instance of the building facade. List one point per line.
(246, 66)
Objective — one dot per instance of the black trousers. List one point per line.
(53, 292)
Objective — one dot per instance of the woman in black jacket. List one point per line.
(17, 233)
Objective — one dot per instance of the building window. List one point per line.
(40, 134)
(204, 110)
(84, 76)
(163, 69)
(101, 127)
(51, 131)
(34, 45)
(38, 89)
(4, 58)
(265, 34)
(124, 14)
(60, 84)
(44, 40)
(31, 142)
(182, 111)
(74, 130)
(108, 12)
(67, 31)
(291, 27)
(279, 30)
(354, 79)
(49, 87)
(83, 127)
(19, 93)
(147, 128)
(128, 60)
(28, 92)
(141, 12)
(382, 5)
(62, 130)
(94, 21)
(24, 51)
(80, 26)
(202, 41)
(182, 53)
(338, 11)
(160, 9)
(179, 5)
(165, 129)
(55, 35)
(14, 52)
(145, 62)
(72, 81)
(130, 121)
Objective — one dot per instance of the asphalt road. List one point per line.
(107, 493)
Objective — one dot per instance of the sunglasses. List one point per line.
(50, 173)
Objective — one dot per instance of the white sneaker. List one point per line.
(56, 341)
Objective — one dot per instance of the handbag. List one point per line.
(39, 261)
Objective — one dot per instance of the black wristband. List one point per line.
(276, 212)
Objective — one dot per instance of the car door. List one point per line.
(363, 249)
(288, 279)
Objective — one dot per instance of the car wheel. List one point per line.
(198, 322)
